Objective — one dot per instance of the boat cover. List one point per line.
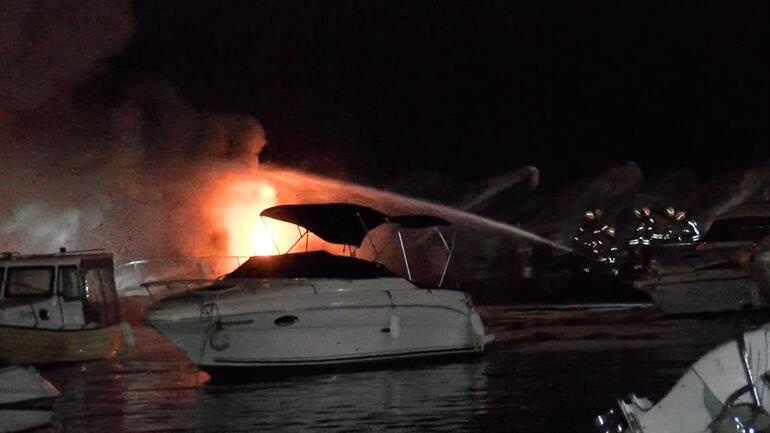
(345, 223)
(313, 264)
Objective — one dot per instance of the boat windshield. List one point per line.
(739, 229)
(313, 264)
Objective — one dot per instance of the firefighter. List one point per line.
(611, 252)
(644, 229)
(679, 229)
(642, 238)
(590, 230)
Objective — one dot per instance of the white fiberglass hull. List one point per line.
(20, 384)
(26, 399)
(704, 292)
(19, 420)
(713, 392)
(302, 324)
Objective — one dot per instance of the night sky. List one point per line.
(374, 89)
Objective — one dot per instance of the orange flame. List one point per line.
(238, 204)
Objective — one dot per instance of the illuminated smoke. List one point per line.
(134, 178)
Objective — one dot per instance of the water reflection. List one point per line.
(547, 376)
(439, 397)
(154, 388)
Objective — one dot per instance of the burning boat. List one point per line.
(26, 399)
(58, 307)
(724, 391)
(314, 308)
(720, 273)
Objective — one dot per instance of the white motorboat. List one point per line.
(26, 399)
(717, 274)
(313, 308)
(58, 307)
(142, 283)
(726, 390)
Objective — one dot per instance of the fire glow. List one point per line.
(238, 203)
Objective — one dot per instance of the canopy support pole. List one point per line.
(368, 236)
(272, 238)
(403, 251)
(450, 250)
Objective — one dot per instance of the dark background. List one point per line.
(370, 89)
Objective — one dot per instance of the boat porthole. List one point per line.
(385, 330)
(285, 320)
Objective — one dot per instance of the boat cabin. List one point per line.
(66, 290)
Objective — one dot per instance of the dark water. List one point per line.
(551, 370)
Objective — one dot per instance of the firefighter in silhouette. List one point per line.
(612, 254)
(644, 233)
(679, 229)
(643, 236)
(587, 237)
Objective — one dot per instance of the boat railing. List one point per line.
(157, 290)
(147, 277)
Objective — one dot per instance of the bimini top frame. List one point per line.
(349, 224)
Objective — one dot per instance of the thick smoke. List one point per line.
(134, 178)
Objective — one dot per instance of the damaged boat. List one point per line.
(26, 399)
(314, 308)
(720, 273)
(726, 390)
(58, 307)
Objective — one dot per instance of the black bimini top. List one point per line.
(344, 223)
(313, 264)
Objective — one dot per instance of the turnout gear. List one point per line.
(599, 243)
(643, 236)
(680, 230)
(587, 237)
(644, 231)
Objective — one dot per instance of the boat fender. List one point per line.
(395, 326)
(219, 338)
(477, 324)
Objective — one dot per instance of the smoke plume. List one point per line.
(134, 178)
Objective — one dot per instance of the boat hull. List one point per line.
(716, 383)
(330, 336)
(21, 345)
(19, 420)
(26, 399)
(704, 292)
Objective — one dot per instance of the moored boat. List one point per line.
(719, 273)
(313, 308)
(58, 307)
(722, 392)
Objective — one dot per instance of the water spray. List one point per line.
(457, 214)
